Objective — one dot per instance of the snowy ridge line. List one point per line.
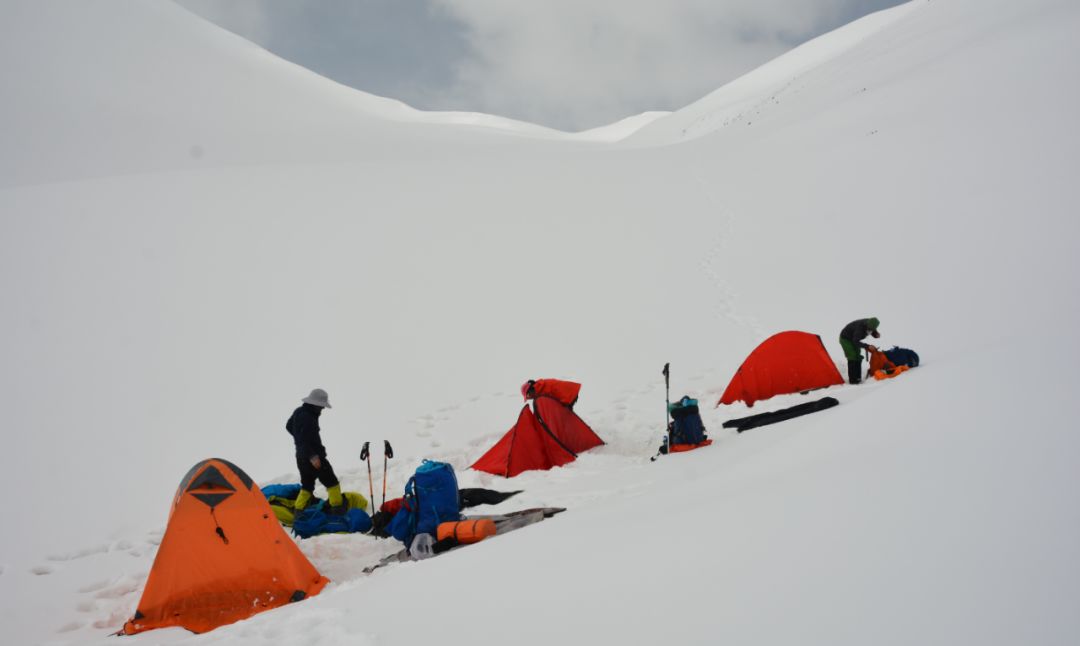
(762, 86)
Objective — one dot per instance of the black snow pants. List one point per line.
(308, 474)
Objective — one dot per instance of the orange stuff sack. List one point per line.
(566, 392)
(878, 361)
(467, 531)
(889, 374)
(681, 448)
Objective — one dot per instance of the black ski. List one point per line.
(763, 419)
(667, 412)
(504, 523)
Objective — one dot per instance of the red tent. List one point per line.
(789, 362)
(549, 435)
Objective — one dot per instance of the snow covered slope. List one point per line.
(193, 234)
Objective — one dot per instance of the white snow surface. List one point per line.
(194, 233)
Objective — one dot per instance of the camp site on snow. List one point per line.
(290, 359)
(225, 555)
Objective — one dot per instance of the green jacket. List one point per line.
(851, 337)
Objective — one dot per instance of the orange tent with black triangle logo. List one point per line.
(224, 556)
(548, 435)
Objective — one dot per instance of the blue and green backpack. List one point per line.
(431, 497)
(686, 425)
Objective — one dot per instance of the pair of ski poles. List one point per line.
(365, 454)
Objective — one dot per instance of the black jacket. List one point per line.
(304, 427)
(856, 331)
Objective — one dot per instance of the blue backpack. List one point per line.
(431, 497)
(314, 520)
(687, 427)
(903, 357)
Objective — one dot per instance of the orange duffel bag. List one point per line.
(467, 531)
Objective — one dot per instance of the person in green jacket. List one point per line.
(851, 340)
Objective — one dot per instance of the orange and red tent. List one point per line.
(788, 362)
(224, 556)
(548, 435)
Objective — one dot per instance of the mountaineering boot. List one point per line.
(337, 503)
(854, 370)
(302, 500)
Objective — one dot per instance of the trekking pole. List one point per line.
(667, 403)
(366, 455)
(388, 453)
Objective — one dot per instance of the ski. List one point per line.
(667, 412)
(504, 523)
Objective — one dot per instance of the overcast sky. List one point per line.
(568, 64)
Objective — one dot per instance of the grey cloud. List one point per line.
(569, 64)
(403, 49)
(582, 63)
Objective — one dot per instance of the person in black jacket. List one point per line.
(303, 425)
(851, 340)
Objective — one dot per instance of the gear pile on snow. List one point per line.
(317, 517)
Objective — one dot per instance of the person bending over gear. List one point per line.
(566, 392)
(851, 340)
(303, 425)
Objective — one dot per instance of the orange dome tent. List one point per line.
(551, 436)
(788, 362)
(223, 558)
